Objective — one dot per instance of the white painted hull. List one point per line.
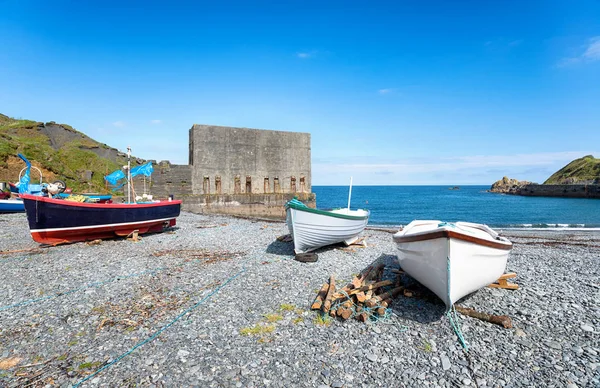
(311, 231)
(452, 260)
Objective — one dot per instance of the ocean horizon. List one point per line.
(395, 206)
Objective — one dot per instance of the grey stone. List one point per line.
(445, 363)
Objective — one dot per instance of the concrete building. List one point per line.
(240, 171)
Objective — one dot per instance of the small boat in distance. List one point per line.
(12, 205)
(53, 220)
(313, 228)
(452, 259)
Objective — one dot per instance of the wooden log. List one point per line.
(329, 296)
(502, 320)
(363, 276)
(386, 295)
(345, 314)
(363, 317)
(361, 297)
(365, 288)
(383, 305)
(356, 282)
(318, 303)
(379, 272)
(342, 306)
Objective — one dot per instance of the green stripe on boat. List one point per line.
(297, 205)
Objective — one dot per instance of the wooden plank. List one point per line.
(318, 303)
(508, 286)
(366, 288)
(509, 275)
(330, 292)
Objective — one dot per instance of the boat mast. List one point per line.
(128, 174)
(350, 193)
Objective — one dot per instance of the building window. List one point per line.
(206, 185)
(218, 184)
(248, 184)
(276, 187)
(293, 184)
(302, 184)
(266, 186)
(237, 185)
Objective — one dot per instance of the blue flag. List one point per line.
(144, 169)
(114, 177)
(24, 181)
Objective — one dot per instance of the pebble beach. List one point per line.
(220, 302)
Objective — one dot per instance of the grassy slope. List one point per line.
(586, 169)
(67, 163)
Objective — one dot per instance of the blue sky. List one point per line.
(397, 93)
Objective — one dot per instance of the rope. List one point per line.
(453, 318)
(451, 313)
(386, 318)
(159, 331)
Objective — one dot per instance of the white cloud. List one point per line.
(477, 169)
(155, 122)
(306, 54)
(118, 124)
(590, 54)
(385, 91)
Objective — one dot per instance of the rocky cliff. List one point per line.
(508, 186)
(59, 151)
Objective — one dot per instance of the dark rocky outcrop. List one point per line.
(508, 186)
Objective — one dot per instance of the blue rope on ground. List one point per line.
(95, 284)
(159, 331)
(451, 314)
(453, 318)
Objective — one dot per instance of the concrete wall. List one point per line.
(571, 191)
(171, 179)
(269, 206)
(229, 160)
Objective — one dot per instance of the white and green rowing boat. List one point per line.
(313, 228)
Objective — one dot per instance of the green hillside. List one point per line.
(582, 170)
(60, 151)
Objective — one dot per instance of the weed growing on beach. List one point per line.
(257, 329)
(72, 343)
(322, 320)
(297, 320)
(89, 365)
(287, 307)
(273, 318)
(426, 346)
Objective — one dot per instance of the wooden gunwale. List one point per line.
(455, 235)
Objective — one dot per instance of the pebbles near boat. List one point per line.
(228, 305)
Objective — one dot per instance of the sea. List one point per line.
(394, 206)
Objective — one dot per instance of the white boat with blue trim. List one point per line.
(313, 228)
(452, 259)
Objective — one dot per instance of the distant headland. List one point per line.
(578, 179)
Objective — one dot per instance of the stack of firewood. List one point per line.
(364, 297)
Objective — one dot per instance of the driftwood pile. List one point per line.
(368, 296)
(364, 297)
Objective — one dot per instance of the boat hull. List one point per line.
(452, 262)
(11, 206)
(311, 231)
(55, 221)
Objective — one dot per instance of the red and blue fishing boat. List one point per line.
(53, 220)
(56, 221)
